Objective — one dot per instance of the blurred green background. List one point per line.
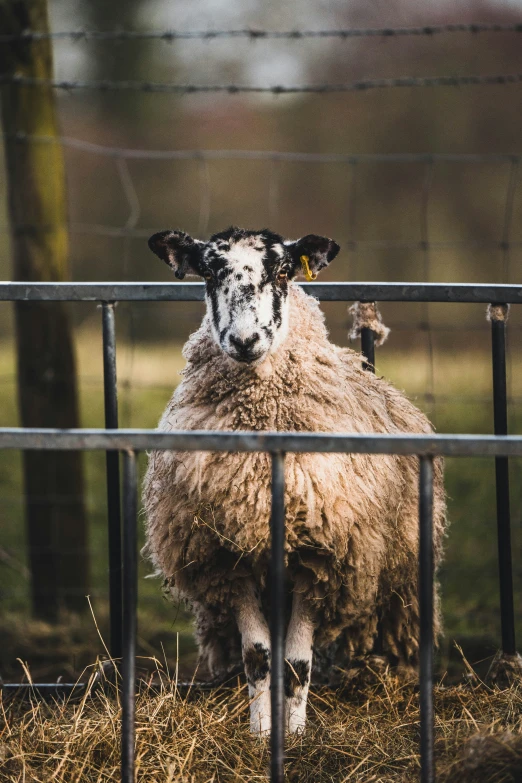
(380, 212)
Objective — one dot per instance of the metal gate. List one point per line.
(123, 549)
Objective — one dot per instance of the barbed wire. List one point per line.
(106, 85)
(253, 34)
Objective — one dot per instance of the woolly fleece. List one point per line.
(352, 520)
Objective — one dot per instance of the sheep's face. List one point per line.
(247, 275)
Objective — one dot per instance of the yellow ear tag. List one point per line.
(310, 276)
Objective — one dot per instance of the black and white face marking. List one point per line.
(247, 276)
(247, 293)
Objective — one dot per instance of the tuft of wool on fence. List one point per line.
(366, 315)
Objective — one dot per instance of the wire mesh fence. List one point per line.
(424, 243)
(433, 331)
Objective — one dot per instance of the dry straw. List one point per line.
(368, 734)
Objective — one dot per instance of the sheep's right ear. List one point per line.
(183, 254)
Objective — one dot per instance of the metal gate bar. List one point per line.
(426, 618)
(110, 390)
(130, 603)
(481, 293)
(368, 348)
(422, 445)
(507, 610)
(277, 618)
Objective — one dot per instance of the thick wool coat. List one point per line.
(351, 520)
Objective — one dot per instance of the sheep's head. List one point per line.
(247, 275)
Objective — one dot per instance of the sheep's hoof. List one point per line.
(296, 727)
(260, 731)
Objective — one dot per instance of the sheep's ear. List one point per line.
(311, 254)
(183, 254)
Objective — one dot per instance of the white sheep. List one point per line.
(261, 360)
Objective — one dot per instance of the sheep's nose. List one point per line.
(244, 346)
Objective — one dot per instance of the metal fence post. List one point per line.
(130, 592)
(113, 479)
(368, 348)
(368, 351)
(498, 317)
(277, 618)
(426, 575)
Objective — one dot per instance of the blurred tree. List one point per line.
(55, 512)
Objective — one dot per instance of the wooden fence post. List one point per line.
(55, 512)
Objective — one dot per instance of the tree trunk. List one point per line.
(55, 512)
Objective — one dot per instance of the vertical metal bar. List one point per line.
(130, 592)
(113, 478)
(426, 618)
(507, 613)
(368, 348)
(277, 619)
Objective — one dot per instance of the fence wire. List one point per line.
(253, 34)
(124, 85)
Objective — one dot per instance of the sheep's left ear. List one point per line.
(313, 253)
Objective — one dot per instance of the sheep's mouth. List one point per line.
(247, 357)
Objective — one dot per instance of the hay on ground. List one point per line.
(366, 736)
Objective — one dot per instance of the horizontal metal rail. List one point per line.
(56, 690)
(42, 689)
(481, 293)
(204, 440)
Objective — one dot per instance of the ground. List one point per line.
(368, 734)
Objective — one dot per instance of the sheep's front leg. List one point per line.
(255, 644)
(298, 663)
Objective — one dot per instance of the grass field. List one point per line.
(147, 375)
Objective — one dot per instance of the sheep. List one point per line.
(262, 360)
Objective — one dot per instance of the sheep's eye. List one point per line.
(282, 276)
(208, 275)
